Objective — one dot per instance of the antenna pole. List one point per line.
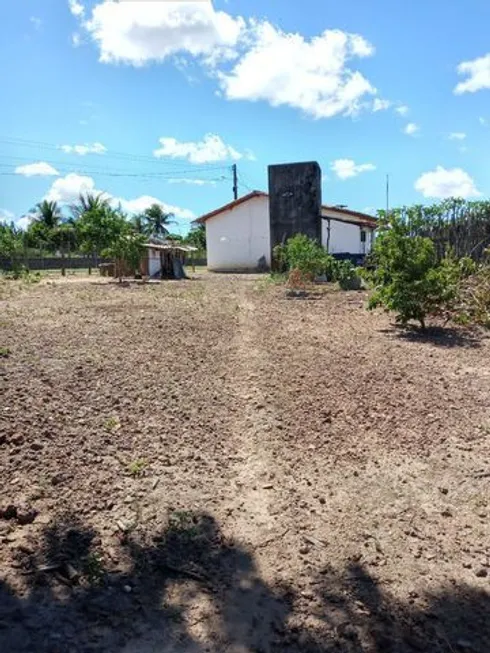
(235, 181)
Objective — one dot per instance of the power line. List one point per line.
(41, 145)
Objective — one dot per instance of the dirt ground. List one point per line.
(209, 465)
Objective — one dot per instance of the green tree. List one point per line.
(46, 219)
(89, 202)
(11, 244)
(197, 237)
(126, 249)
(99, 227)
(139, 224)
(157, 221)
(407, 277)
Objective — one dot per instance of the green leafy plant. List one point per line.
(94, 568)
(407, 277)
(112, 424)
(137, 467)
(4, 352)
(346, 274)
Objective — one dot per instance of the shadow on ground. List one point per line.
(189, 589)
(446, 337)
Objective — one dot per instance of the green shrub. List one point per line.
(407, 278)
(306, 255)
(303, 254)
(347, 275)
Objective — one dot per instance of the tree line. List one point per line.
(92, 227)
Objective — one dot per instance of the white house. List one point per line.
(238, 234)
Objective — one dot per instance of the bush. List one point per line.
(407, 278)
(303, 254)
(474, 300)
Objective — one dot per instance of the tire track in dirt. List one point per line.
(253, 522)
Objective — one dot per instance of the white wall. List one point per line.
(238, 238)
(345, 238)
(153, 261)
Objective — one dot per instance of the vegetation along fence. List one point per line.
(52, 262)
(455, 225)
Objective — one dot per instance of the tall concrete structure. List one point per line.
(295, 201)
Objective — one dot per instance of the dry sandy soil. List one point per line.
(210, 466)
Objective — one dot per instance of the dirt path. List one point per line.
(209, 466)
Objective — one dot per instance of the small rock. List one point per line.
(36, 445)
(304, 550)
(269, 486)
(56, 479)
(322, 500)
(446, 513)
(9, 512)
(443, 490)
(17, 439)
(26, 515)
(128, 589)
(481, 573)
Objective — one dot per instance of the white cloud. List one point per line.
(76, 8)
(402, 110)
(381, 105)
(6, 215)
(139, 204)
(210, 149)
(139, 32)
(482, 121)
(346, 168)
(37, 22)
(41, 169)
(411, 129)
(457, 136)
(442, 182)
(76, 39)
(192, 182)
(67, 189)
(82, 150)
(477, 74)
(311, 75)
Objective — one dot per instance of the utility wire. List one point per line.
(41, 145)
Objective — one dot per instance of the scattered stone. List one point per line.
(26, 515)
(322, 500)
(481, 573)
(443, 490)
(128, 589)
(36, 445)
(17, 439)
(447, 512)
(269, 486)
(304, 550)
(9, 512)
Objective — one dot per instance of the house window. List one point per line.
(363, 236)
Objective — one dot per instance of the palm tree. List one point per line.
(139, 226)
(89, 202)
(157, 220)
(47, 214)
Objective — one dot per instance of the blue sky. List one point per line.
(156, 100)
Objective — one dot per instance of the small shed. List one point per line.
(165, 260)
